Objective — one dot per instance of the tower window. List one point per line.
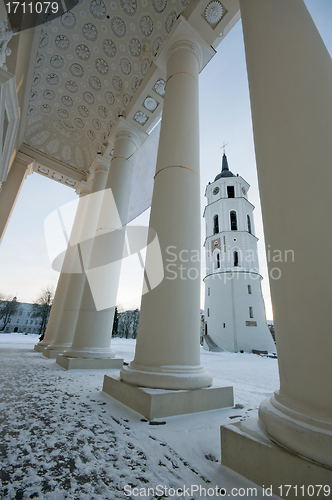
(208, 311)
(224, 325)
(230, 192)
(249, 289)
(218, 260)
(249, 224)
(215, 224)
(236, 258)
(208, 291)
(233, 221)
(251, 312)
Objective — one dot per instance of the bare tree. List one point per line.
(8, 307)
(41, 308)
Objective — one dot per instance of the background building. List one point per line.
(234, 306)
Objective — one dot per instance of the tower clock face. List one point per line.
(244, 190)
(216, 190)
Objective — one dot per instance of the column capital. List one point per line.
(124, 129)
(83, 188)
(189, 45)
(101, 163)
(185, 36)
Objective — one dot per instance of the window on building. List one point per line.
(233, 221)
(28, 315)
(230, 192)
(18, 321)
(208, 291)
(20, 313)
(215, 224)
(236, 258)
(249, 289)
(224, 325)
(26, 322)
(218, 260)
(36, 322)
(251, 312)
(249, 224)
(31, 322)
(208, 311)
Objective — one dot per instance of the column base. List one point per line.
(88, 363)
(248, 450)
(39, 348)
(293, 429)
(90, 352)
(167, 377)
(156, 403)
(51, 354)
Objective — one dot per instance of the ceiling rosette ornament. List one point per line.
(82, 51)
(98, 9)
(44, 40)
(170, 20)
(125, 66)
(89, 32)
(71, 86)
(117, 83)
(34, 95)
(109, 97)
(102, 111)
(68, 20)
(62, 42)
(83, 111)
(52, 79)
(214, 12)
(134, 46)
(39, 61)
(49, 95)
(102, 66)
(67, 101)
(129, 7)
(63, 113)
(145, 25)
(159, 6)
(94, 83)
(45, 108)
(109, 48)
(76, 70)
(57, 61)
(118, 27)
(89, 98)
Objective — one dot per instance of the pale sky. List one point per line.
(224, 117)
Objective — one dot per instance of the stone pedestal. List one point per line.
(88, 363)
(248, 450)
(157, 403)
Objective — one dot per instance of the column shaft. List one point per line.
(9, 193)
(75, 281)
(290, 82)
(94, 324)
(64, 278)
(167, 349)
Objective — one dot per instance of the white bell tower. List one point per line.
(234, 307)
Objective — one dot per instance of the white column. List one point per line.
(10, 190)
(167, 350)
(64, 278)
(75, 281)
(290, 81)
(94, 327)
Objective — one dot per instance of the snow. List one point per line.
(63, 438)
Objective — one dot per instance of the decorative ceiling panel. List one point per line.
(90, 63)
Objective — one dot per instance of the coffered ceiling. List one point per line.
(90, 63)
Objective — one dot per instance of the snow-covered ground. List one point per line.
(63, 438)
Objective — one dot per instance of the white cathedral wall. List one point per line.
(221, 292)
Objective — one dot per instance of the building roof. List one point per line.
(225, 172)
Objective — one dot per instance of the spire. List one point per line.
(224, 163)
(225, 172)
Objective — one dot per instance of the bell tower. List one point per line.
(234, 306)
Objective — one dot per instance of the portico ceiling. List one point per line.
(97, 62)
(90, 63)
